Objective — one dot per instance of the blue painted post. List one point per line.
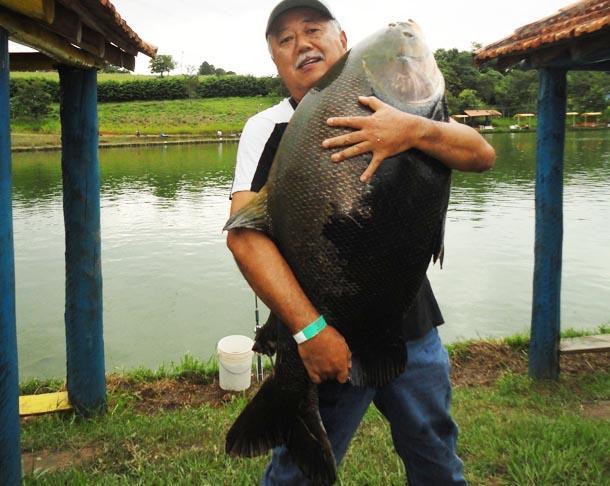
(10, 450)
(544, 346)
(81, 184)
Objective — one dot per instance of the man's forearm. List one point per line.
(265, 269)
(457, 146)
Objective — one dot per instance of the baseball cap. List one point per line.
(285, 5)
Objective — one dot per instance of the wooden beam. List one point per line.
(67, 24)
(119, 58)
(80, 170)
(546, 303)
(586, 344)
(112, 54)
(37, 9)
(596, 66)
(101, 26)
(93, 42)
(43, 403)
(128, 61)
(10, 449)
(32, 61)
(26, 31)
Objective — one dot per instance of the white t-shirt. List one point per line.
(257, 145)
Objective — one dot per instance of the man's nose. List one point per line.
(303, 44)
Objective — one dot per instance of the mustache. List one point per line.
(306, 56)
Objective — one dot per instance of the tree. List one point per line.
(206, 68)
(468, 99)
(162, 63)
(588, 91)
(517, 91)
(31, 101)
(109, 68)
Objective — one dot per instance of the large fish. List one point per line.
(359, 251)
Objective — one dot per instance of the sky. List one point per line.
(230, 33)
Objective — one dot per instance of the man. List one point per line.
(305, 40)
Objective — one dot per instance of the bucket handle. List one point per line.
(231, 372)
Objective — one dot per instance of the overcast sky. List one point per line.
(230, 33)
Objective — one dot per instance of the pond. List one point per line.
(171, 286)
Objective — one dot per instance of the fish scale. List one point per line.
(359, 251)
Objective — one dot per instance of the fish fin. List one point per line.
(309, 446)
(377, 369)
(262, 425)
(265, 341)
(277, 417)
(439, 245)
(253, 215)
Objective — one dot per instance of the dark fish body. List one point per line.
(359, 251)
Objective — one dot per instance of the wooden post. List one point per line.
(10, 450)
(81, 184)
(544, 346)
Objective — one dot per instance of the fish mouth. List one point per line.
(309, 60)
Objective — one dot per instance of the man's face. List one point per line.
(304, 45)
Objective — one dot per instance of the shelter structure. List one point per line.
(75, 37)
(575, 38)
(591, 114)
(527, 116)
(573, 114)
(487, 114)
(460, 118)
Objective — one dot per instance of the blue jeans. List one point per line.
(416, 404)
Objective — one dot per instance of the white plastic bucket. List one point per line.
(235, 359)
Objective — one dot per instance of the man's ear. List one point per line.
(343, 39)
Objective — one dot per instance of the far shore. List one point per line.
(51, 142)
(142, 141)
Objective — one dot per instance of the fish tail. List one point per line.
(277, 417)
(253, 215)
(265, 341)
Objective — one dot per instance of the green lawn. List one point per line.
(513, 431)
(197, 116)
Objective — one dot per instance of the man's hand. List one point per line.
(326, 356)
(385, 133)
(388, 131)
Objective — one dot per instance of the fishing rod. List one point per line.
(259, 358)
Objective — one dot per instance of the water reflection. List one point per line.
(165, 171)
(170, 285)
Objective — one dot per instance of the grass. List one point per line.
(190, 117)
(521, 341)
(514, 432)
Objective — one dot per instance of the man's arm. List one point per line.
(388, 131)
(325, 356)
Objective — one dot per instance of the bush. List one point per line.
(31, 100)
(50, 86)
(167, 88)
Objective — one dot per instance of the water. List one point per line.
(171, 287)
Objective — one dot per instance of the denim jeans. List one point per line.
(416, 404)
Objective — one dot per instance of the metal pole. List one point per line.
(81, 183)
(10, 449)
(259, 358)
(545, 333)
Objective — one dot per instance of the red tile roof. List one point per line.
(107, 11)
(577, 20)
(102, 15)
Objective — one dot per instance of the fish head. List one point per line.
(400, 66)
